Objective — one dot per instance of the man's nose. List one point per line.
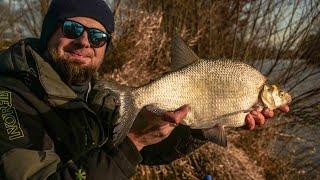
(83, 40)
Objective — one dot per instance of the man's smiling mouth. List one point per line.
(80, 57)
(78, 54)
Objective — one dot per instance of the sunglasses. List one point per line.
(97, 38)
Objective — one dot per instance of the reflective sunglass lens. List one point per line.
(72, 29)
(97, 38)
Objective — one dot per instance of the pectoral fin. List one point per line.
(216, 135)
(155, 109)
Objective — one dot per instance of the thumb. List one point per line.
(178, 115)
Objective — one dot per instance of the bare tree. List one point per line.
(279, 37)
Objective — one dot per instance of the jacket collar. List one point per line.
(58, 92)
(22, 60)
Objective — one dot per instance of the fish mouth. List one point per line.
(289, 99)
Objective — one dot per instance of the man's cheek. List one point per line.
(93, 61)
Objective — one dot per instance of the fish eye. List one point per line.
(281, 93)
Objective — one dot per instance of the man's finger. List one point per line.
(166, 130)
(258, 117)
(177, 115)
(250, 122)
(267, 113)
(284, 108)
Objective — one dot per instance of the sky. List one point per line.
(284, 22)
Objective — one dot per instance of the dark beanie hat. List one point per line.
(62, 9)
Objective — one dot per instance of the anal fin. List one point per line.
(216, 134)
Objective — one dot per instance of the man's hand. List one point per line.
(150, 128)
(259, 118)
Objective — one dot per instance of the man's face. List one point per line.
(75, 59)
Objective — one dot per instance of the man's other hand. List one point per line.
(150, 128)
(255, 117)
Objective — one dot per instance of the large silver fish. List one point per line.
(219, 92)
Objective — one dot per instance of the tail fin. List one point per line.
(127, 109)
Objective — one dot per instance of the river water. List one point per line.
(299, 140)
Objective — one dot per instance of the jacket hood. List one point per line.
(23, 62)
(14, 60)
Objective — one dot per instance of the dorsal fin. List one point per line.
(181, 54)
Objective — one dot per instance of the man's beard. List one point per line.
(70, 71)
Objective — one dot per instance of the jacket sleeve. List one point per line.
(180, 142)
(114, 163)
(22, 164)
(27, 152)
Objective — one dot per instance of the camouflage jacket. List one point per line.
(48, 132)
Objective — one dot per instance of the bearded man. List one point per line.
(54, 125)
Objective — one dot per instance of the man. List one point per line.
(53, 126)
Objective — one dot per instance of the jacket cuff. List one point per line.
(126, 156)
(130, 151)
